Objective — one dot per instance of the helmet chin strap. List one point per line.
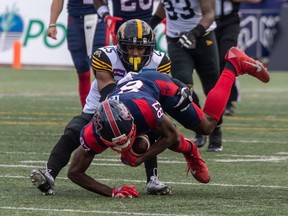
(135, 61)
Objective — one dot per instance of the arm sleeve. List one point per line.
(106, 90)
(165, 65)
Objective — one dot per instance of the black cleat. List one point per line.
(200, 140)
(215, 140)
(43, 181)
(229, 110)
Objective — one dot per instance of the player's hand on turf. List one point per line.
(129, 159)
(185, 98)
(125, 192)
(187, 39)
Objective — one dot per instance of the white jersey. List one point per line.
(182, 16)
(107, 59)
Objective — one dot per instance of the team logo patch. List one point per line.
(209, 42)
(98, 53)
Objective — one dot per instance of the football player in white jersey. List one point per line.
(192, 45)
(134, 52)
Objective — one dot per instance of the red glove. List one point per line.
(110, 30)
(129, 159)
(125, 192)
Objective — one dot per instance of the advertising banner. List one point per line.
(27, 21)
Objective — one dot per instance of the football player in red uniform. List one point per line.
(140, 105)
(134, 52)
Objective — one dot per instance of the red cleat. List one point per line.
(196, 165)
(246, 65)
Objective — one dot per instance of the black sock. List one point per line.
(149, 166)
(229, 66)
(196, 99)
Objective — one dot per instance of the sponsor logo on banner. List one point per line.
(11, 28)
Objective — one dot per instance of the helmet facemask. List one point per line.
(123, 142)
(115, 125)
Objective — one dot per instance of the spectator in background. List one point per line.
(227, 31)
(192, 45)
(81, 37)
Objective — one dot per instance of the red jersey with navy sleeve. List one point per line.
(147, 96)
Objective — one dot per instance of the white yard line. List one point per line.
(90, 211)
(168, 182)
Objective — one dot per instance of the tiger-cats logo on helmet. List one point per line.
(122, 30)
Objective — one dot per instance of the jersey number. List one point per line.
(134, 86)
(131, 86)
(130, 5)
(187, 11)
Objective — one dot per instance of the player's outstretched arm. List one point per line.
(76, 173)
(168, 137)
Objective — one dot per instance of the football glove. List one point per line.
(128, 159)
(125, 192)
(111, 25)
(187, 39)
(185, 98)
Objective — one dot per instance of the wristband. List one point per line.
(52, 25)
(198, 31)
(154, 21)
(102, 10)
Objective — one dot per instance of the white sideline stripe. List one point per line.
(110, 160)
(168, 182)
(33, 166)
(91, 211)
(116, 162)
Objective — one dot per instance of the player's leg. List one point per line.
(208, 69)
(60, 155)
(237, 63)
(181, 60)
(100, 36)
(195, 165)
(154, 185)
(77, 48)
(227, 37)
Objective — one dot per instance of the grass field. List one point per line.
(249, 178)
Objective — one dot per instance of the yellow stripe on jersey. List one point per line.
(139, 27)
(99, 65)
(165, 68)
